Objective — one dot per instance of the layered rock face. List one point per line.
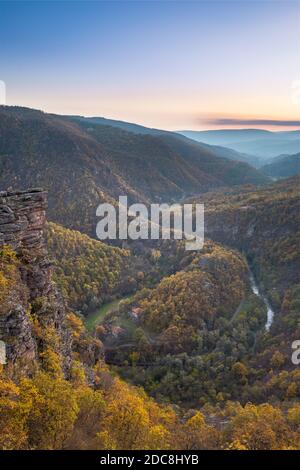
(35, 298)
(22, 218)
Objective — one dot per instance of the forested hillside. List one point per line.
(264, 223)
(149, 276)
(186, 335)
(200, 335)
(88, 272)
(191, 332)
(283, 166)
(83, 165)
(56, 392)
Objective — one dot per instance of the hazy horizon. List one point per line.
(171, 65)
(157, 127)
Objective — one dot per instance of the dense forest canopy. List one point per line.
(185, 360)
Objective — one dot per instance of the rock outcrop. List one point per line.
(35, 300)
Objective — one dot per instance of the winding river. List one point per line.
(270, 312)
(96, 317)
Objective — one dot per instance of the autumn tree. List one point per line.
(197, 435)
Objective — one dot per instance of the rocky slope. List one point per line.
(31, 306)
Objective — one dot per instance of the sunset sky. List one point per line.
(167, 64)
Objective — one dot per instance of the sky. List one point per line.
(165, 64)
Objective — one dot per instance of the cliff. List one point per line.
(31, 308)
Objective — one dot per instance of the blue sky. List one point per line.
(168, 64)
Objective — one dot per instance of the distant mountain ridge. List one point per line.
(219, 150)
(258, 143)
(283, 166)
(125, 126)
(83, 164)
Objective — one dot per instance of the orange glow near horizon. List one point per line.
(171, 112)
(169, 65)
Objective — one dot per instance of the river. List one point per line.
(270, 312)
(96, 317)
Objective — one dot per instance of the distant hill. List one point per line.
(218, 150)
(231, 154)
(204, 156)
(37, 149)
(226, 136)
(83, 164)
(283, 166)
(259, 143)
(187, 164)
(125, 126)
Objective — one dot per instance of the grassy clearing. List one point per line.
(96, 317)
